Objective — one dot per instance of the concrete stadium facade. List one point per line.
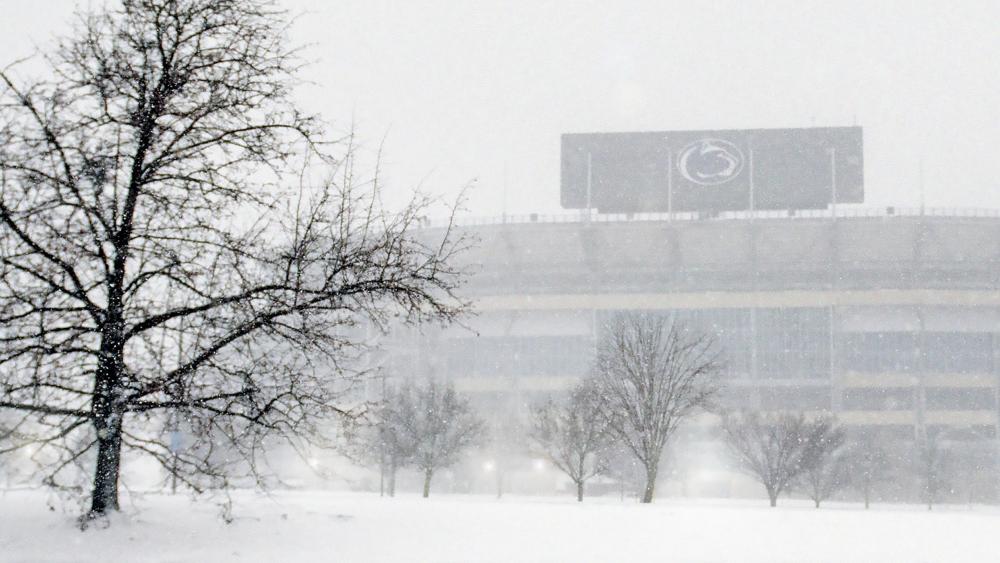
(888, 318)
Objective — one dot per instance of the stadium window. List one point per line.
(793, 343)
(959, 399)
(958, 352)
(795, 398)
(731, 330)
(518, 356)
(878, 399)
(879, 352)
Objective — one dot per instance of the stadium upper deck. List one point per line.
(887, 317)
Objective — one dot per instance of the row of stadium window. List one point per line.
(975, 433)
(864, 399)
(779, 354)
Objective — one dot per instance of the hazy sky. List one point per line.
(467, 89)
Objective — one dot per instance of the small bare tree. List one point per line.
(651, 374)
(573, 434)
(826, 470)
(776, 450)
(867, 464)
(440, 426)
(623, 467)
(932, 463)
(381, 437)
(506, 444)
(974, 469)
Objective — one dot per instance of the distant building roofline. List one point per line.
(582, 216)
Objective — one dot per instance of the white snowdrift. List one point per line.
(326, 526)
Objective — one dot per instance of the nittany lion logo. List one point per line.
(710, 162)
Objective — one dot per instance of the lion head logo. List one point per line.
(710, 162)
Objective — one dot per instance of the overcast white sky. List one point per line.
(469, 89)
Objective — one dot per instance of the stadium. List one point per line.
(889, 318)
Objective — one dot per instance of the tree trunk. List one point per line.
(772, 495)
(499, 482)
(392, 480)
(104, 496)
(647, 492)
(381, 476)
(816, 500)
(867, 500)
(173, 475)
(107, 412)
(427, 483)
(579, 491)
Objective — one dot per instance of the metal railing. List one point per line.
(583, 216)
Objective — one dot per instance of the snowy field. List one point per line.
(325, 526)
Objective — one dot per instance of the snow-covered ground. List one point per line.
(349, 527)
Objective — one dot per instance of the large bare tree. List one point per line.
(651, 374)
(573, 434)
(165, 269)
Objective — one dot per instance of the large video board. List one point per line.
(712, 170)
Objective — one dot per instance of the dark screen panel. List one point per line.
(712, 170)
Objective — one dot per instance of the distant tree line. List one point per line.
(821, 458)
(650, 374)
(424, 425)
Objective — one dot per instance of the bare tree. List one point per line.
(776, 450)
(507, 443)
(396, 450)
(867, 464)
(932, 463)
(975, 468)
(622, 466)
(7, 435)
(573, 434)
(651, 374)
(381, 437)
(441, 426)
(154, 260)
(826, 470)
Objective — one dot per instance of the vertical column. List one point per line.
(836, 378)
(755, 401)
(836, 381)
(833, 183)
(996, 403)
(590, 163)
(756, 385)
(920, 390)
(593, 330)
(752, 202)
(670, 185)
